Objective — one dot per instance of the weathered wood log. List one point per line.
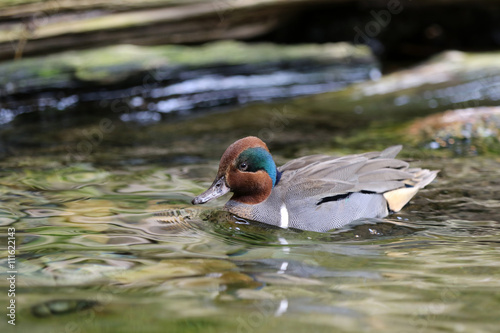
(67, 24)
(30, 27)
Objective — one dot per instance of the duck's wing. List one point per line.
(304, 161)
(313, 160)
(322, 178)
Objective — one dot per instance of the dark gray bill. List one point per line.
(218, 189)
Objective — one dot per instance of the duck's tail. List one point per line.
(397, 199)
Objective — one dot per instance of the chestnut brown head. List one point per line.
(247, 169)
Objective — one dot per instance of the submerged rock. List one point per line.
(463, 131)
(60, 307)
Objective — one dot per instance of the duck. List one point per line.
(313, 193)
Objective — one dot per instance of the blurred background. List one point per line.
(114, 113)
(147, 65)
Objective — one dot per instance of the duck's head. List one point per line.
(247, 169)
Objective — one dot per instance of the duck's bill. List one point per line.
(218, 189)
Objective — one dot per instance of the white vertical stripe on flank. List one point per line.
(284, 216)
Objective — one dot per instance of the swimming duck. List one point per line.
(317, 192)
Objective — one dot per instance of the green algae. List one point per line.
(233, 53)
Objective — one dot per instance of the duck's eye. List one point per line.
(243, 166)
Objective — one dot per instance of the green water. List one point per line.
(120, 249)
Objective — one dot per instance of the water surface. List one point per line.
(120, 249)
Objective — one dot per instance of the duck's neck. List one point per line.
(278, 177)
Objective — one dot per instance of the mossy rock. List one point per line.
(464, 132)
(116, 64)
